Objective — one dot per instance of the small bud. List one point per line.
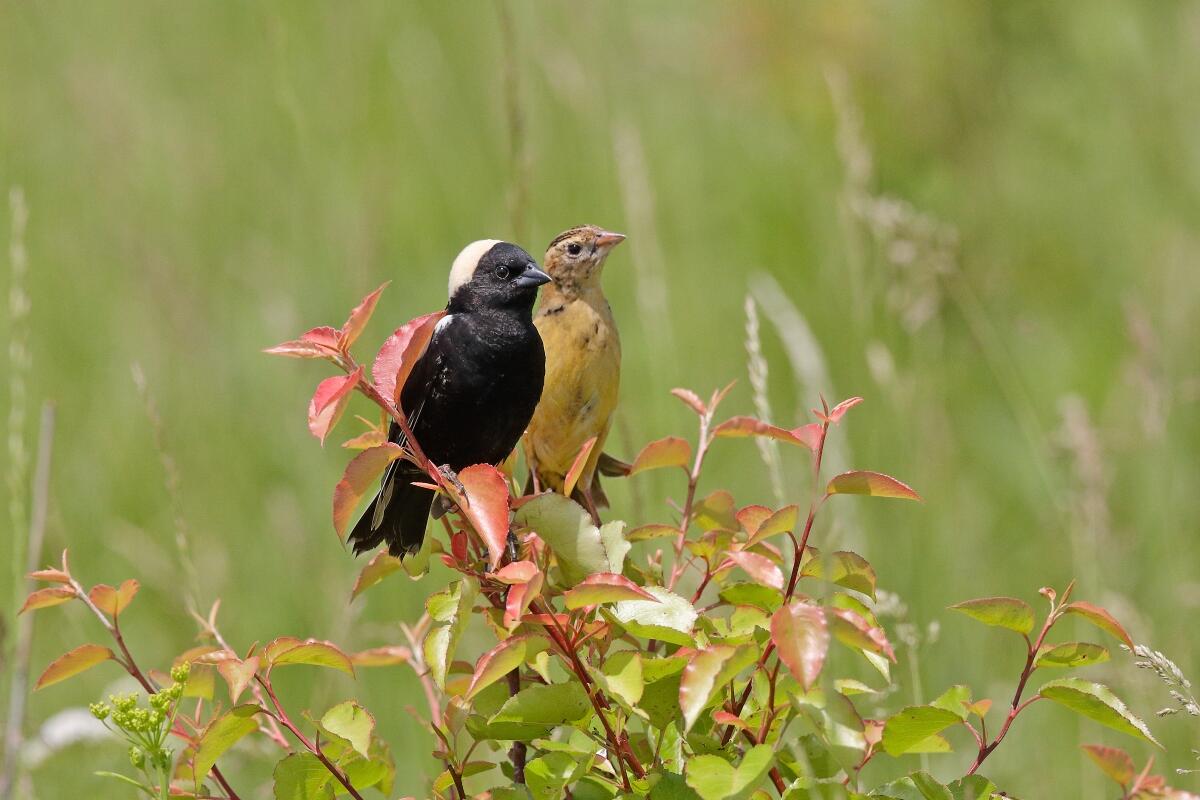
(136, 757)
(99, 710)
(180, 673)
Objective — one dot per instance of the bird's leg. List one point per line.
(452, 477)
(511, 546)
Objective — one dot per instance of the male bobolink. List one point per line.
(470, 394)
(583, 363)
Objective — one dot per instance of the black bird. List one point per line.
(471, 393)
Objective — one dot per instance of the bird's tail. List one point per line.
(402, 519)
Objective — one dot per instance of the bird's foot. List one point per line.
(451, 477)
(511, 547)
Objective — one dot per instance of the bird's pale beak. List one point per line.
(608, 239)
(532, 276)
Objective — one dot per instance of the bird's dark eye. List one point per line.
(502, 272)
(574, 249)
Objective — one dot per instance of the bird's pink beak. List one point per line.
(608, 239)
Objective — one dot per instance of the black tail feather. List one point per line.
(402, 526)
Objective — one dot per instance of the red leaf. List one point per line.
(719, 394)
(113, 601)
(758, 567)
(572, 476)
(317, 343)
(517, 572)
(44, 598)
(669, 452)
(875, 484)
(1101, 619)
(358, 318)
(801, 635)
(76, 661)
(525, 582)
(329, 402)
(741, 427)
(855, 631)
(751, 517)
(238, 674)
(691, 400)
(725, 718)
(360, 475)
(605, 587)
(367, 439)
(503, 659)
(385, 656)
(810, 435)
(486, 507)
(835, 416)
(400, 351)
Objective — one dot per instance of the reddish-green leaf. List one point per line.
(113, 601)
(386, 656)
(1114, 762)
(751, 517)
(400, 352)
(1001, 612)
(487, 506)
(1070, 654)
(875, 484)
(329, 402)
(44, 598)
(801, 636)
(781, 521)
(742, 427)
(1100, 618)
(317, 343)
(572, 476)
(656, 531)
(691, 400)
(379, 567)
(669, 452)
(525, 583)
(68, 665)
(910, 729)
(359, 318)
(367, 439)
(855, 631)
(604, 587)
(811, 435)
(717, 510)
(360, 475)
(288, 650)
(758, 567)
(238, 674)
(846, 569)
(503, 659)
(839, 411)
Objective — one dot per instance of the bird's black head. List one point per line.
(491, 274)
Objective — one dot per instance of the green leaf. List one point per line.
(1101, 619)
(917, 786)
(301, 776)
(352, 722)
(452, 607)
(707, 673)
(288, 650)
(540, 704)
(580, 547)
(660, 698)
(624, 677)
(956, 699)
(379, 567)
(801, 636)
(846, 569)
(913, 725)
(1070, 654)
(752, 594)
(669, 617)
(874, 484)
(714, 778)
(1096, 701)
(72, 663)
(669, 786)
(1001, 612)
(122, 778)
(715, 511)
(547, 775)
(220, 735)
(973, 787)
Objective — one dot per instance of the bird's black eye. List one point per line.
(574, 249)
(502, 272)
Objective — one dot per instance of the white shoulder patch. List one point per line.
(442, 324)
(466, 261)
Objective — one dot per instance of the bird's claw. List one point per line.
(452, 477)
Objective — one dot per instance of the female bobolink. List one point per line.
(583, 363)
(471, 393)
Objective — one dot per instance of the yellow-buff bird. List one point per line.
(583, 365)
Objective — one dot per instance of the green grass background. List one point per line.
(208, 178)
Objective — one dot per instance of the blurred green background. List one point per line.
(985, 213)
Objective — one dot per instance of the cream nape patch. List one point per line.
(464, 264)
